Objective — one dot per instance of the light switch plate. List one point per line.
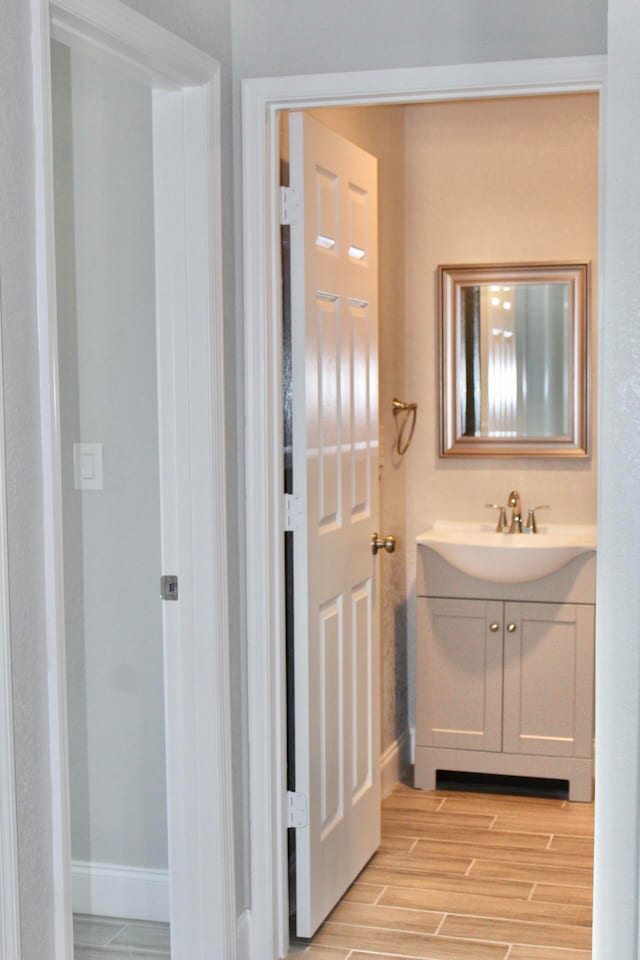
(87, 466)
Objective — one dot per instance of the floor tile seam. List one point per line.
(439, 927)
(461, 876)
(392, 906)
(570, 836)
(111, 939)
(380, 896)
(511, 943)
(502, 877)
(383, 953)
(527, 863)
(398, 836)
(411, 933)
(487, 916)
(522, 944)
(532, 891)
(534, 923)
(518, 833)
(558, 883)
(127, 952)
(493, 799)
(85, 945)
(139, 947)
(455, 913)
(530, 856)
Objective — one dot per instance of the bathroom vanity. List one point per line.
(505, 670)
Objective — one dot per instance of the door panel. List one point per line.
(548, 679)
(335, 464)
(460, 662)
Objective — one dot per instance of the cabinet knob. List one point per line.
(511, 627)
(494, 627)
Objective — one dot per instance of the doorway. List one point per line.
(448, 191)
(261, 131)
(170, 343)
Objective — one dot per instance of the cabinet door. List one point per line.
(459, 674)
(548, 679)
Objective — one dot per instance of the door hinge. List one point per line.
(296, 809)
(292, 512)
(289, 206)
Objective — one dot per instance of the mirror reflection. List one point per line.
(514, 346)
(514, 360)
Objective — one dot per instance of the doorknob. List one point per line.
(379, 543)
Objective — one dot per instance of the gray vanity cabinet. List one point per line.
(459, 674)
(548, 679)
(505, 686)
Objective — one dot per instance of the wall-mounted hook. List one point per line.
(410, 411)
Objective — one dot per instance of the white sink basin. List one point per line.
(477, 550)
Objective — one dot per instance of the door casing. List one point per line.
(262, 101)
(188, 215)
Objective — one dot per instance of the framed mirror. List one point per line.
(514, 360)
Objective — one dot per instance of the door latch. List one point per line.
(169, 587)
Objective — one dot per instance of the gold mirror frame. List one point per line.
(450, 280)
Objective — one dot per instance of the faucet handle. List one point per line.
(531, 520)
(502, 516)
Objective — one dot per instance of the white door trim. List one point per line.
(186, 114)
(262, 99)
(9, 891)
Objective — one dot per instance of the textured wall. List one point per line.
(492, 181)
(380, 131)
(618, 614)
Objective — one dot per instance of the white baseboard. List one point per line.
(393, 763)
(243, 935)
(112, 890)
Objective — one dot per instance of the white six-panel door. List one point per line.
(335, 454)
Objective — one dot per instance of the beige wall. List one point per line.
(491, 181)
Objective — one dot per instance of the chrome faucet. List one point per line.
(516, 512)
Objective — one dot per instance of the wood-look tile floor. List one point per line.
(468, 876)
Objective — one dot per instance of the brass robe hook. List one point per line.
(410, 411)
